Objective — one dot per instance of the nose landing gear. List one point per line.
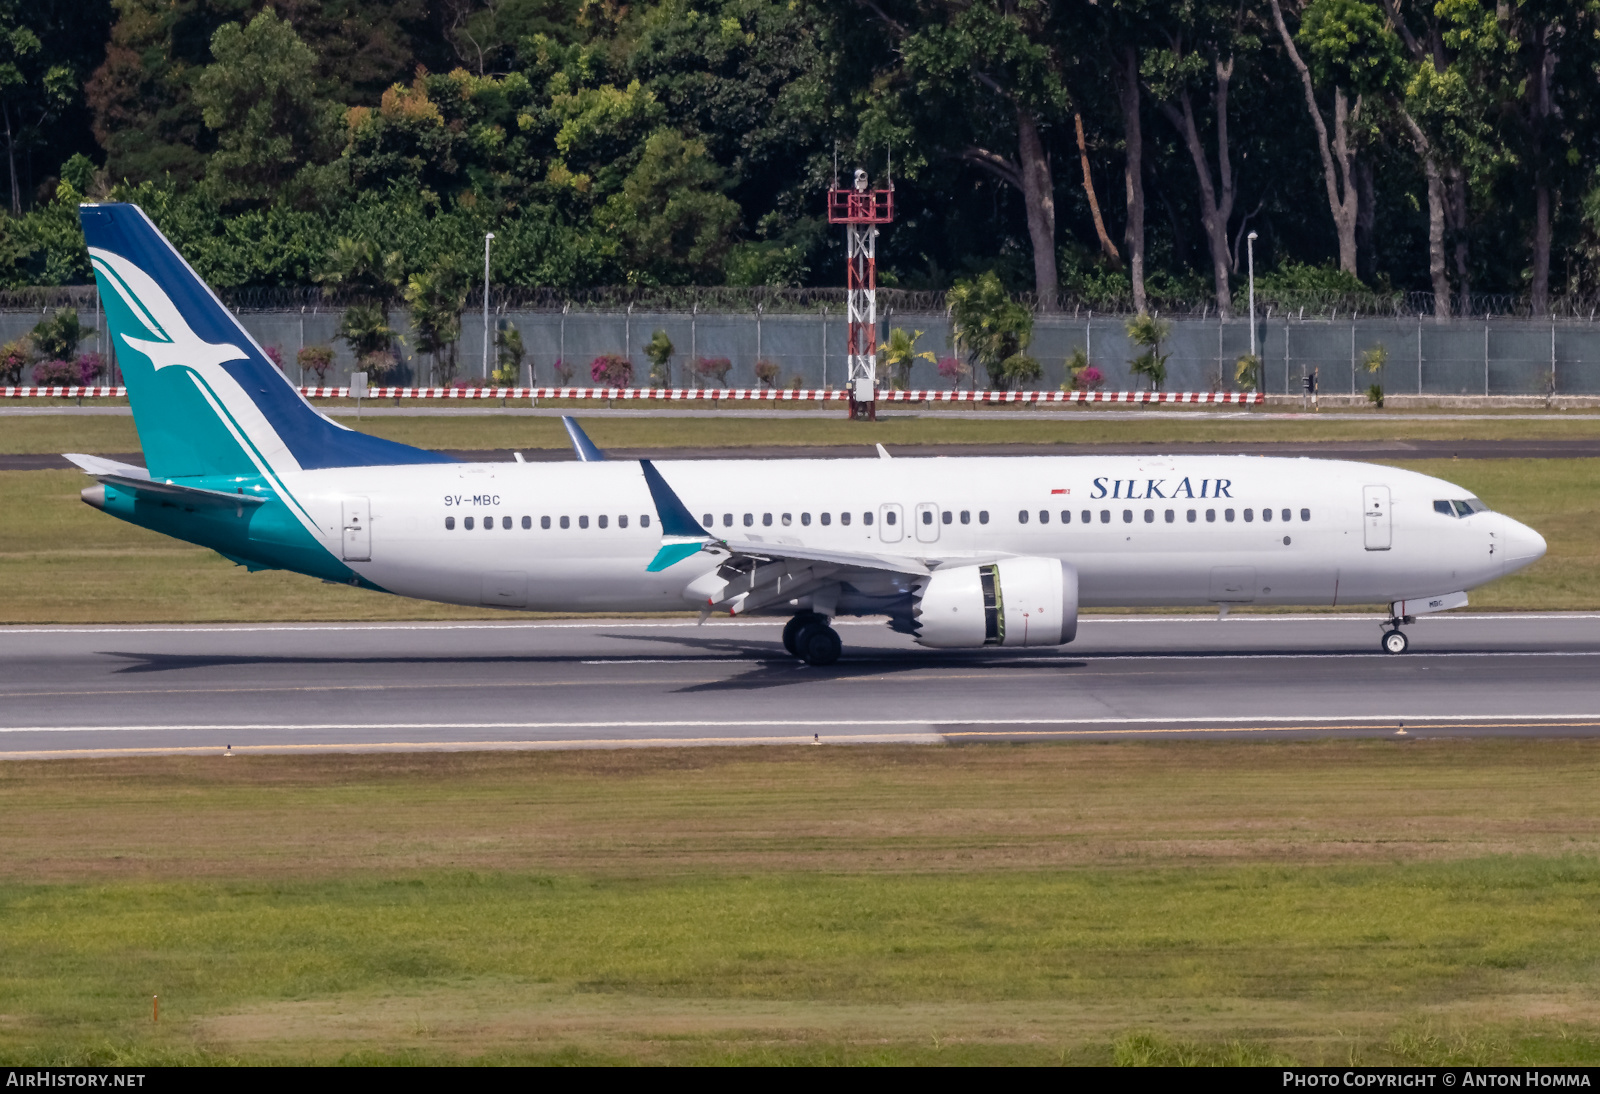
(809, 638)
(1394, 639)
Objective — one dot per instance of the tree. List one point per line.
(899, 353)
(659, 350)
(1149, 332)
(974, 72)
(1355, 54)
(435, 298)
(56, 338)
(674, 224)
(509, 353)
(988, 326)
(32, 89)
(365, 328)
(259, 98)
(1203, 43)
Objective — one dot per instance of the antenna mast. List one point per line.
(861, 209)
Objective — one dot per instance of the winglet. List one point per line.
(681, 535)
(581, 444)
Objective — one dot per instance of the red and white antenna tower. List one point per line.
(861, 209)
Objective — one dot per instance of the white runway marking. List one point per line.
(812, 724)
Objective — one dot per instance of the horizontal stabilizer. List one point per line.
(187, 497)
(99, 465)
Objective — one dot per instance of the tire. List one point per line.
(819, 645)
(792, 629)
(1395, 642)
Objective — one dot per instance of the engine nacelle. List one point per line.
(1013, 602)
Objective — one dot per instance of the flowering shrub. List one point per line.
(952, 370)
(316, 360)
(1088, 378)
(275, 355)
(611, 370)
(767, 372)
(56, 373)
(13, 359)
(91, 367)
(563, 372)
(713, 368)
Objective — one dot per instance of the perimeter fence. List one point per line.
(805, 339)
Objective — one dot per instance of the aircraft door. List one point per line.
(891, 526)
(1375, 517)
(357, 530)
(927, 522)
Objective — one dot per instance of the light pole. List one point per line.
(488, 237)
(1250, 249)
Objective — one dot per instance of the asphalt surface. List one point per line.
(1331, 450)
(619, 683)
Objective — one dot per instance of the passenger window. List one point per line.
(1127, 516)
(844, 518)
(1044, 516)
(1189, 516)
(527, 522)
(948, 516)
(1149, 516)
(602, 520)
(1105, 516)
(1211, 516)
(1266, 515)
(805, 519)
(983, 516)
(1227, 515)
(622, 521)
(927, 516)
(644, 520)
(966, 516)
(466, 522)
(887, 517)
(766, 520)
(583, 522)
(749, 520)
(488, 523)
(1088, 517)
(1022, 517)
(1305, 514)
(1066, 516)
(787, 520)
(449, 524)
(566, 522)
(707, 521)
(866, 518)
(727, 520)
(544, 522)
(1287, 515)
(1171, 516)
(1444, 507)
(1249, 515)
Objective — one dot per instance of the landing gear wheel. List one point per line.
(1395, 642)
(792, 629)
(818, 644)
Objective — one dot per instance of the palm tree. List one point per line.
(435, 299)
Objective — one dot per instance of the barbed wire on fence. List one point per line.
(731, 300)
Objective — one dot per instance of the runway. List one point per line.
(74, 691)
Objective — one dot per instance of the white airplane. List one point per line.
(955, 551)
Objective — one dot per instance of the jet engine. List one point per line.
(1013, 602)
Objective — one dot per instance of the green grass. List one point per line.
(106, 434)
(1365, 902)
(62, 562)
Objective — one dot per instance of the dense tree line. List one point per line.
(1117, 151)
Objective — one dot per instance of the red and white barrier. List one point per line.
(751, 395)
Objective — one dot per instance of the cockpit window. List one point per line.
(1461, 507)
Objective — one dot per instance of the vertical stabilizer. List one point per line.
(206, 399)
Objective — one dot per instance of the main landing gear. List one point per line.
(1394, 639)
(809, 638)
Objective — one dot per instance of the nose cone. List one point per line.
(1522, 546)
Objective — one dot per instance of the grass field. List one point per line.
(62, 562)
(1366, 902)
(116, 434)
